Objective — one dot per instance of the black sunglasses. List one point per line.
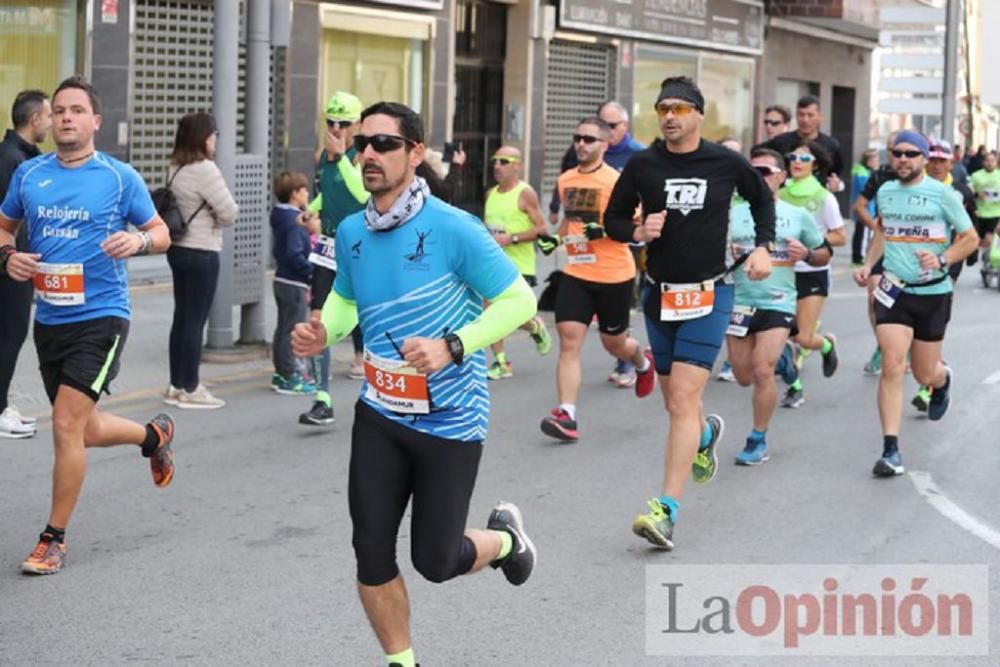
(585, 138)
(773, 123)
(381, 143)
(909, 154)
(339, 124)
(766, 170)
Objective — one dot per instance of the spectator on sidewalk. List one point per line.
(292, 277)
(860, 173)
(32, 118)
(206, 203)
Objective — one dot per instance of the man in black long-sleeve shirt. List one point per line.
(685, 186)
(808, 118)
(31, 115)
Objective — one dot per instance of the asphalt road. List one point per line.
(246, 558)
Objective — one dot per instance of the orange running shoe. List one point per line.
(47, 558)
(161, 463)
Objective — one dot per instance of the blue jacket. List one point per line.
(290, 245)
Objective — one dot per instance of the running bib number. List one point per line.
(888, 290)
(991, 195)
(396, 386)
(739, 321)
(579, 250)
(60, 284)
(324, 253)
(686, 301)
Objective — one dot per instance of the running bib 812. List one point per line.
(686, 301)
(60, 284)
(396, 386)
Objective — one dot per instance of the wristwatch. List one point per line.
(942, 261)
(455, 348)
(515, 239)
(5, 253)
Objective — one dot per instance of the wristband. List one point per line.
(147, 243)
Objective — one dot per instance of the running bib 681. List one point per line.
(396, 386)
(686, 301)
(60, 284)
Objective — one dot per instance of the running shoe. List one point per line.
(356, 371)
(830, 360)
(559, 425)
(498, 371)
(874, 365)
(543, 341)
(706, 461)
(656, 527)
(161, 463)
(518, 564)
(295, 385)
(47, 558)
(170, 394)
(794, 398)
(199, 399)
(24, 419)
(786, 365)
(613, 375)
(726, 373)
(12, 427)
(753, 454)
(645, 381)
(889, 466)
(922, 400)
(626, 379)
(320, 414)
(940, 399)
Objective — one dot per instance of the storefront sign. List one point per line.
(109, 11)
(728, 25)
(413, 4)
(28, 21)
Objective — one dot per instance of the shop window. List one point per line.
(652, 66)
(727, 84)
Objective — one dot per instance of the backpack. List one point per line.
(166, 206)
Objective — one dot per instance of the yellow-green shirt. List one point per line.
(502, 215)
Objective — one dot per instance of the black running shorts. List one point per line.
(926, 314)
(579, 300)
(812, 283)
(82, 355)
(764, 319)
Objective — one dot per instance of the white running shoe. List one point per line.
(16, 414)
(199, 399)
(171, 394)
(12, 427)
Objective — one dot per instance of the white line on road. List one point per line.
(992, 379)
(932, 494)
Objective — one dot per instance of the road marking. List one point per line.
(993, 379)
(932, 494)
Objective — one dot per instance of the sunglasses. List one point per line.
(585, 138)
(381, 143)
(766, 170)
(679, 109)
(800, 157)
(615, 124)
(339, 124)
(503, 160)
(909, 154)
(773, 123)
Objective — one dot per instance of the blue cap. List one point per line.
(913, 138)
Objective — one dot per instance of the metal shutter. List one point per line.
(579, 77)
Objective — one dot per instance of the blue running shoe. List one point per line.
(786, 365)
(940, 399)
(889, 465)
(753, 454)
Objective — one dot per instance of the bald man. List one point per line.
(514, 217)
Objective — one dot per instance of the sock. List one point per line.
(671, 506)
(925, 392)
(502, 358)
(58, 534)
(797, 385)
(706, 436)
(890, 445)
(758, 435)
(151, 441)
(403, 658)
(506, 544)
(827, 346)
(643, 365)
(570, 409)
(323, 397)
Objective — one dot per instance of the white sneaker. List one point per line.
(199, 399)
(12, 427)
(171, 394)
(16, 414)
(356, 372)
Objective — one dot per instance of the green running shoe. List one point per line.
(498, 371)
(656, 527)
(706, 461)
(543, 341)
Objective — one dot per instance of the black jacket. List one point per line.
(13, 151)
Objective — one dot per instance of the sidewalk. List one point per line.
(145, 367)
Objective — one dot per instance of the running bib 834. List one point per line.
(396, 386)
(686, 301)
(60, 284)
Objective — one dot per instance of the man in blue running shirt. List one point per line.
(415, 271)
(77, 204)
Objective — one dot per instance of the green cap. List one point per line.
(343, 106)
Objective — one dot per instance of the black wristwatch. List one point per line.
(455, 348)
(942, 261)
(5, 253)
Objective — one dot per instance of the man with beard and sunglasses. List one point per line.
(685, 186)
(917, 216)
(599, 276)
(341, 193)
(415, 270)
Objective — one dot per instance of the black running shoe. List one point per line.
(320, 414)
(889, 465)
(940, 399)
(830, 358)
(519, 563)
